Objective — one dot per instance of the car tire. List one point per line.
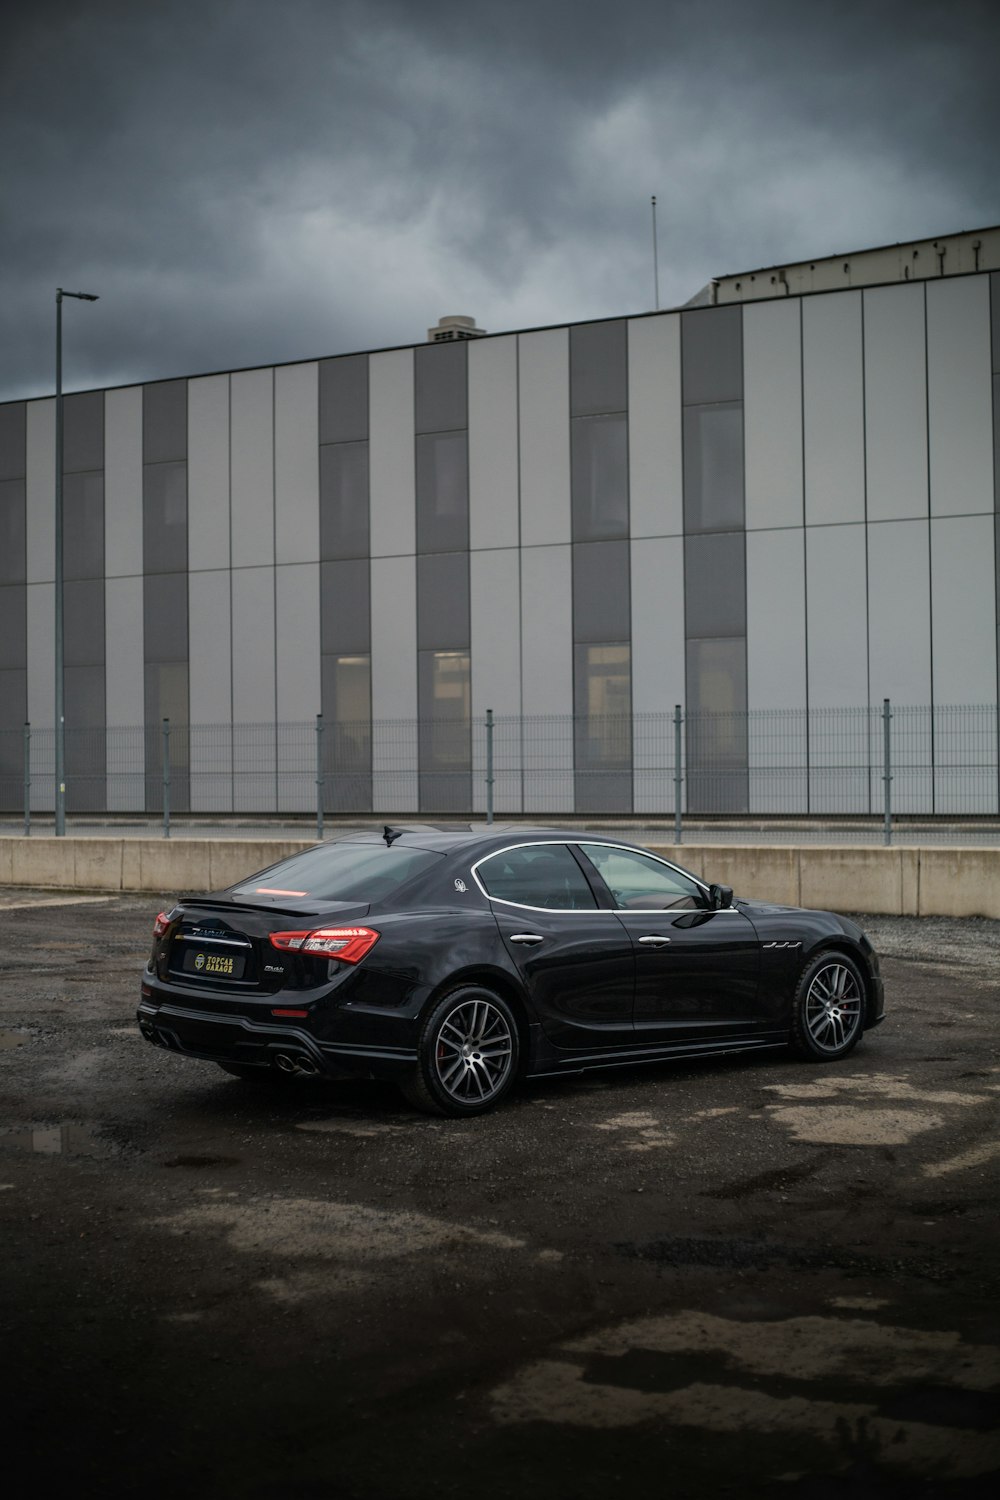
(467, 1056)
(828, 1012)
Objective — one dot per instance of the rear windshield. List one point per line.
(339, 872)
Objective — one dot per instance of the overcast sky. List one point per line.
(250, 181)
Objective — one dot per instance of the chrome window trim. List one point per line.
(654, 911)
(647, 911)
(578, 911)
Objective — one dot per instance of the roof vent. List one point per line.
(454, 328)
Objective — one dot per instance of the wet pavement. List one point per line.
(740, 1277)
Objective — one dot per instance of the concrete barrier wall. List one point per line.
(962, 882)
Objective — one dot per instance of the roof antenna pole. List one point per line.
(656, 263)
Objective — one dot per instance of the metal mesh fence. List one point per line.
(847, 772)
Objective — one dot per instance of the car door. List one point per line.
(575, 960)
(696, 975)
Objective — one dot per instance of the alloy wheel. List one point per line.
(473, 1052)
(833, 1007)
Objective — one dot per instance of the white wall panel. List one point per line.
(391, 454)
(495, 588)
(776, 619)
(963, 603)
(493, 479)
(394, 683)
(899, 655)
(899, 621)
(123, 488)
(124, 692)
(495, 632)
(837, 657)
(296, 463)
(210, 688)
(963, 607)
(776, 669)
(547, 676)
(254, 688)
(895, 402)
(298, 638)
(772, 413)
(210, 680)
(544, 425)
(208, 472)
(253, 646)
(657, 665)
(656, 500)
(252, 468)
(959, 396)
(41, 491)
(836, 617)
(833, 407)
(298, 682)
(657, 624)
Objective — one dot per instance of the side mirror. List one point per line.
(720, 896)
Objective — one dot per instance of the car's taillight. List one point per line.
(346, 944)
(161, 924)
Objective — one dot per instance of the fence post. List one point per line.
(678, 721)
(489, 765)
(320, 778)
(166, 778)
(27, 779)
(887, 767)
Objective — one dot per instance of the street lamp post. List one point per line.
(60, 715)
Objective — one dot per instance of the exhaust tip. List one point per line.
(284, 1062)
(306, 1065)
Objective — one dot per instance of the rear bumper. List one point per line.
(239, 1040)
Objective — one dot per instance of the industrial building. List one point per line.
(780, 500)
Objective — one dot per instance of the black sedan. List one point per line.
(456, 961)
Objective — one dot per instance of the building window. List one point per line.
(445, 738)
(713, 467)
(443, 492)
(347, 733)
(599, 477)
(343, 500)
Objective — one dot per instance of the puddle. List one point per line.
(57, 1140)
(11, 1039)
(912, 1400)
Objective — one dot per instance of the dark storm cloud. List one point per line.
(258, 181)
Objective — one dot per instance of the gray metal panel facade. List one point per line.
(792, 504)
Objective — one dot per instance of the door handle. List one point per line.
(526, 937)
(655, 942)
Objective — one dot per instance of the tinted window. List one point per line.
(599, 448)
(340, 872)
(343, 500)
(544, 875)
(598, 368)
(639, 882)
(443, 492)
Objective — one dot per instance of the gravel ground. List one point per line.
(740, 1277)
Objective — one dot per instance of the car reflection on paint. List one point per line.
(456, 961)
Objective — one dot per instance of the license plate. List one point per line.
(214, 965)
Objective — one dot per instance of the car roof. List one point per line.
(481, 838)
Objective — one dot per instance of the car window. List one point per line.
(642, 883)
(544, 875)
(340, 872)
